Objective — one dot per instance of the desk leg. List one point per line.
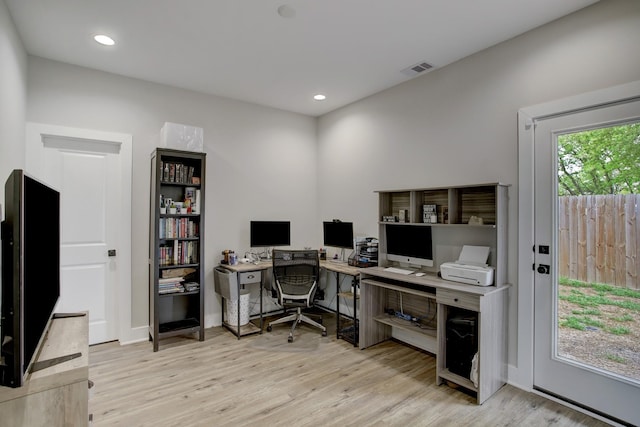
(238, 306)
(238, 310)
(261, 289)
(222, 302)
(338, 336)
(355, 284)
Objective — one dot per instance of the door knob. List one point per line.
(543, 269)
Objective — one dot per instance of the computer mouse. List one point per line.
(420, 274)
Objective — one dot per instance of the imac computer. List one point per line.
(269, 234)
(338, 234)
(409, 244)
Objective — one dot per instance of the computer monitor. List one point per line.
(268, 234)
(338, 234)
(409, 244)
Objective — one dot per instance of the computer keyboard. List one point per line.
(398, 270)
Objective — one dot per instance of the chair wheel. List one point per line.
(269, 328)
(324, 333)
(290, 339)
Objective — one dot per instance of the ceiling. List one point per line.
(245, 49)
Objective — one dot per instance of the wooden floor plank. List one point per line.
(224, 381)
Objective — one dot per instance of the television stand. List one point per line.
(58, 394)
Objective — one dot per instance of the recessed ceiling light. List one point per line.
(319, 97)
(104, 40)
(286, 11)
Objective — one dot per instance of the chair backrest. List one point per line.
(295, 273)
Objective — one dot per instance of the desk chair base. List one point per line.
(297, 317)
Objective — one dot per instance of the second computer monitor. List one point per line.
(338, 234)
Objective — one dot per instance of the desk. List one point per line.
(343, 268)
(486, 305)
(246, 273)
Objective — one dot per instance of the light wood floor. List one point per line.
(226, 382)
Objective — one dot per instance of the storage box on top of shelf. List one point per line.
(181, 137)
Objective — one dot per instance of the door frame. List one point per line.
(125, 331)
(521, 375)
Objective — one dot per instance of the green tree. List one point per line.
(600, 161)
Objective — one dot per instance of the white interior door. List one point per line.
(571, 379)
(88, 174)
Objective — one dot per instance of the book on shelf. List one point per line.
(170, 285)
(429, 214)
(179, 253)
(191, 286)
(178, 173)
(164, 281)
(181, 228)
(170, 289)
(195, 205)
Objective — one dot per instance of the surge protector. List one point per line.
(403, 316)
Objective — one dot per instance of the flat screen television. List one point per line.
(30, 272)
(338, 234)
(410, 244)
(268, 234)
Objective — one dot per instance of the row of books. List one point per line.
(179, 253)
(178, 228)
(170, 286)
(177, 172)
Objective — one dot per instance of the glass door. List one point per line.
(587, 289)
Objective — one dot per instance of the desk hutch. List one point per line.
(435, 301)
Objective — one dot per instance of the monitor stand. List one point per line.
(339, 260)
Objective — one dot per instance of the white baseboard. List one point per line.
(138, 334)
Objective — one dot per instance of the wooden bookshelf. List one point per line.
(176, 248)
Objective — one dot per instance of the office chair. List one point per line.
(296, 274)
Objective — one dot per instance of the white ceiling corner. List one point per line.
(246, 50)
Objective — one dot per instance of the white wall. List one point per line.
(261, 162)
(458, 125)
(13, 94)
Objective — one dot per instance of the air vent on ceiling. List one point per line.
(416, 69)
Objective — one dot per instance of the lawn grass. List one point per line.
(583, 300)
(589, 311)
(616, 358)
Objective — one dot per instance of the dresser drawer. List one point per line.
(458, 299)
(250, 277)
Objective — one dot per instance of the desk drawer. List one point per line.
(250, 277)
(458, 299)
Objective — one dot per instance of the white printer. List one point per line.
(471, 267)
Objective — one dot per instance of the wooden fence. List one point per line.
(599, 239)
